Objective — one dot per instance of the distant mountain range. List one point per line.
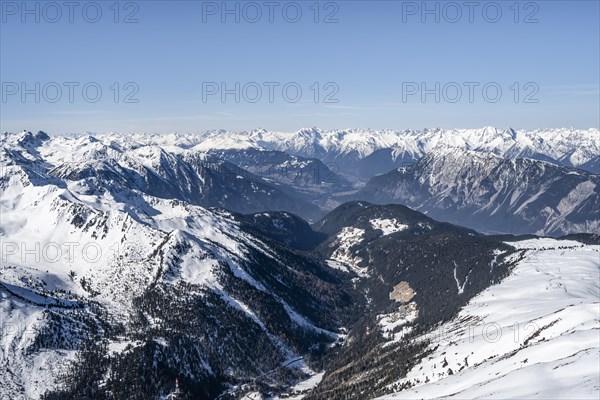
(363, 153)
(194, 177)
(496, 181)
(494, 195)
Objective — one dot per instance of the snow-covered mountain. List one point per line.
(491, 194)
(311, 171)
(111, 277)
(568, 147)
(110, 292)
(126, 270)
(166, 172)
(414, 273)
(533, 336)
(363, 153)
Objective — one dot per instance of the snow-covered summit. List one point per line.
(565, 146)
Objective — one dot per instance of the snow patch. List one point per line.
(388, 226)
(347, 238)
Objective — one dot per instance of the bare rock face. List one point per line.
(493, 195)
(402, 292)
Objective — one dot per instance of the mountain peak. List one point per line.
(31, 140)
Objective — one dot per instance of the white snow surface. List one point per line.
(390, 322)
(388, 226)
(56, 234)
(346, 239)
(535, 335)
(573, 147)
(566, 145)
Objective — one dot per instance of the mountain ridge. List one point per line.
(491, 194)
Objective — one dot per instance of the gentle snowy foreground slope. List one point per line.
(535, 335)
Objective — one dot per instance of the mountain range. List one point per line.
(383, 150)
(170, 267)
(495, 181)
(492, 194)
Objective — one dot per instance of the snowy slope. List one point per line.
(78, 254)
(165, 171)
(534, 335)
(414, 273)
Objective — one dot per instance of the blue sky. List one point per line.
(370, 67)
